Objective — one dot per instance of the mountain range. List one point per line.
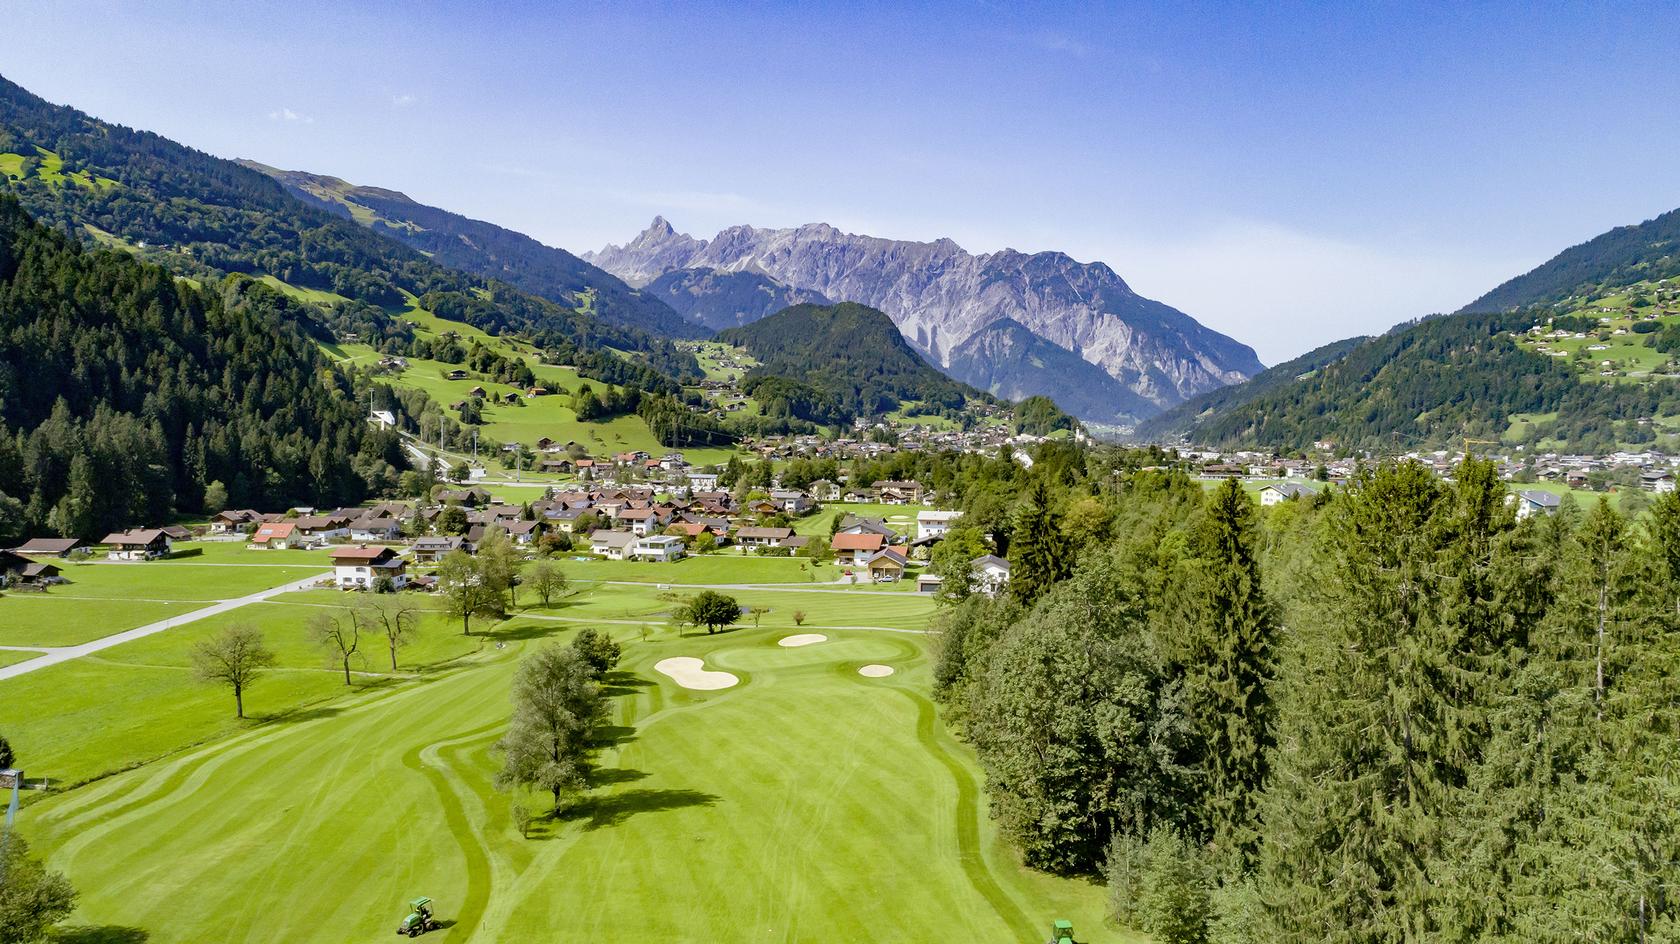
(1569, 355)
(952, 305)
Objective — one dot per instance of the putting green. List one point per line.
(806, 803)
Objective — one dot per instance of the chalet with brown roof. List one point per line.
(360, 567)
(760, 538)
(234, 521)
(137, 545)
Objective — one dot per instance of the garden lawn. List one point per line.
(807, 803)
(727, 567)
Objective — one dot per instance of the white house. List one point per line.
(1283, 491)
(360, 567)
(1532, 502)
(934, 524)
(1657, 481)
(613, 545)
(660, 547)
(991, 574)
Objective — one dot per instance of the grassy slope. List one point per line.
(550, 416)
(806, 804)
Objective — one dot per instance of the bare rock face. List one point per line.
(940, 296)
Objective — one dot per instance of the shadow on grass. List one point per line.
(301, 714)
(604, 811)
(103, 934)
(619, 684)
(522, 632)
(614, 735)
(607, 776)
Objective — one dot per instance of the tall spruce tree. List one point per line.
(1228, 668)
(1039, 557)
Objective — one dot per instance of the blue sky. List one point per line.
(1289, 174)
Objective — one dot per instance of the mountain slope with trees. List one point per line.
(1440, 379)
(1626, 254)
(164, 397)
(832, 363)
(205, 217)
(487, 250)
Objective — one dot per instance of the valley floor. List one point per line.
(806, 803)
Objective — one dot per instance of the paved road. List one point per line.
(53, 656)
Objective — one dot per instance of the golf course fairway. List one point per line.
(806, 803)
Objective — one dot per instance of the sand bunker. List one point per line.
(803, 639)
(876, 671)
(691, 673)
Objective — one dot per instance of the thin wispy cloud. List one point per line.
(286, 114)
(404, 100)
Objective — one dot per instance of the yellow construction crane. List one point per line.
(1484, 442)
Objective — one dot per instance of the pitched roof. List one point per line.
(990, 560)
(277, 529)
(773, 534)
(856, 542)
(48, 546)
(149, 536)
(361, 553)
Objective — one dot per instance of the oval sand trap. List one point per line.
(690, 672)
(803, 639)
(876, 671)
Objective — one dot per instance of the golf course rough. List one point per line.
(766, 812)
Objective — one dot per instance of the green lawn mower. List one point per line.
(419, 919)
(1061, 932)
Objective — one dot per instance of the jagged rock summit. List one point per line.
(941, 296)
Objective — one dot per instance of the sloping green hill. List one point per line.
(1625, 255)
(488, 250)
(125, 392)
(831, 363)
(205, 217)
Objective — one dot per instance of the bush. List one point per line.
(1174, 905)
(384, 584)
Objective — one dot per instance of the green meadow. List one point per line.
(806, 803)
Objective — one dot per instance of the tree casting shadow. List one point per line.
(105, 934)
(602, 812)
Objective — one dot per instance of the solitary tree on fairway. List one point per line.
(758, 614)
(498, 563)
(340, 636)
(396, 617)
(6, 756)
(234, 657)
(799, 617)
(547, 579)
(466, 594)
(597, 648)
(710, 609)
(556, 710)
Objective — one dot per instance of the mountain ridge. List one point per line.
(939, 295)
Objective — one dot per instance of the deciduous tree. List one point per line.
(235, 657)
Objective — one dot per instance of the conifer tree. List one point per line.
(1228, 668)
(1038, 551)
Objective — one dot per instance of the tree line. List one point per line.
(1394, 713)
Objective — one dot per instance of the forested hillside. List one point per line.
(1626, 254)
(488, 250)
(1180, 419)
(828, 364)
(1394, 713)
(204, 217)
(127, 394)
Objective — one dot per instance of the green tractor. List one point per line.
(419, 919)
(1061, 932)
